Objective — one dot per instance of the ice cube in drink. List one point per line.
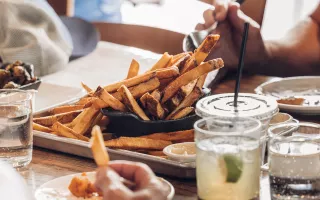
(294, 168)
(15, 135)
(228, 168)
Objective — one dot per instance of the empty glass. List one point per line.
(16, 127)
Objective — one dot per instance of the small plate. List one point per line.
(307, 87)
(57, 189)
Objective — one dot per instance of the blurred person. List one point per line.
(12, 185)
(297, 54)
(32, 32)
(108, 181)
(99, 10)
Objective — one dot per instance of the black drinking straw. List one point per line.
(240, 64)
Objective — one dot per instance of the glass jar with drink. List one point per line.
(294, 161)
(228, 158)
(16, 127)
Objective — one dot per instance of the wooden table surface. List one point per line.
(47, 165)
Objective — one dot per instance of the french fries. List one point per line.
(62, 118)
(191, 75)
(133, 69)
(64, 131)
(131, 103)
(38, 127)
(154, 107)
(87, 88)
(130, 82)
(67, 108)
(100, 155)
(139, 90)
(85, 120)
(191, 98)
(182, 113)
(156, 94)
(132, 143)
(109, 99)
(168, 91)
(201, 53)
(172, 136)
(163, 62)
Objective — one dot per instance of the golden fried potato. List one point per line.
(201, 52)
(100, 155)
(131, 103)
(84, 121)
(109, 99)
(134, 143)
(64, 131)
(170, 72)
(133, 69)
(191, 75)
(38, 127)
(66, 108)
(156, 94)
(87, 88)
(130, 82)
(85, 100)
(154, 107)
(182, 113)
(62, 118)
(163, 62)
(139, 90)
(172, 136)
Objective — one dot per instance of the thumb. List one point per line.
(237, 18)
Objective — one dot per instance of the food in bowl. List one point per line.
(14, 75)
(185, 151)
(280, 118)
(291, 101)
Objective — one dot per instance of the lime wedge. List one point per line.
(234, 166)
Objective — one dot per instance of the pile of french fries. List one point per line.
(168, 91)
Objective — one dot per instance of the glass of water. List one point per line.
(228, 158)
(16, 127)
(294, 161)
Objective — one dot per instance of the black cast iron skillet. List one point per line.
(129, 125)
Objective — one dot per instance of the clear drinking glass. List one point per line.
(294, 161)
(16, 127)
(228, 158)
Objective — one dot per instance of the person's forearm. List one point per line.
(296, 54)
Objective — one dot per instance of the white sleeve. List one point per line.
(30, 31)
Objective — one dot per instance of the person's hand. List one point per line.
(148, 186)
(231, 23)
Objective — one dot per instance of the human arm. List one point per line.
(296, 54)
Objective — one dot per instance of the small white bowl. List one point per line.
(282, 118)
(185, 152)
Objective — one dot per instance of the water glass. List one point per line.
(16, 127)
(294, 161)
(228, 158)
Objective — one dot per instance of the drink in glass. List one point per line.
(255, 106)
(228, 158)
(294, 162)
(16, 127)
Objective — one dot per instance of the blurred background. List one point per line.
(183, 15)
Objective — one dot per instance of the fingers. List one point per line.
(208, 17)
(140, 173)
(109, 183)
(221, 10)
(200, 27)
(237, 18)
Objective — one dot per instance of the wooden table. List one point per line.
(47, 165)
